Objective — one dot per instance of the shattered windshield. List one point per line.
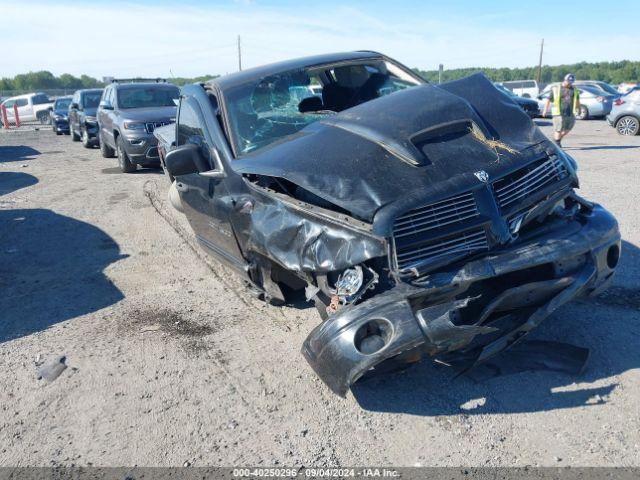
(282, 104)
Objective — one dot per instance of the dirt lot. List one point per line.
(172, 363)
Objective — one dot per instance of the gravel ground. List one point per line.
(171, 363)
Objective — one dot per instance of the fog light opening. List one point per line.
(373, 336)
(613, 256)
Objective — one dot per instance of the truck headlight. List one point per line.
(134, 125)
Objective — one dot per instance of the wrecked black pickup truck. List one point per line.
(419, 219)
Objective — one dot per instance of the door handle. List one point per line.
(182, 187)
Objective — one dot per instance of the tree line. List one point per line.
(45, 80)
(610, 72)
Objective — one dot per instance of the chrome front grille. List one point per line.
(528, 181)
(436, 215)
(151, 126)
(463, 243)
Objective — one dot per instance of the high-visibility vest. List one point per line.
(555, 109)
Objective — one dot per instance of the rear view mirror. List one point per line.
(106, 105)
(185, 160)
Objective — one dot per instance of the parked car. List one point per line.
(127, 115)
(625, 114)
(31, 107)
(593, 102)
(603, 87)
(625, 88)
(83, 122)
(523, 88)
(58, 115)
(529, 105)
(431, 220)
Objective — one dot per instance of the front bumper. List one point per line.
(142, 148)
(580, 255)
(91, 128)
(61, 125)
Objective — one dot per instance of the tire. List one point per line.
(628, 125)
(583, 113)
(58, 133)
(123, 159)
(105, 150)
(84, 135)
(74, 135)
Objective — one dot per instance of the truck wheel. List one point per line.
(628, 125)
(583, 113)
(43, 118)
(86, 141)
(123, 159)
(105, 150)
(74, 135)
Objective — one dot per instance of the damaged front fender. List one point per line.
(300, 240)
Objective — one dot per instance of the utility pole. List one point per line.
(540, 62)
(239, 55)
(440, 69)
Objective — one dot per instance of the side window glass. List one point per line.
(22, 102)
(191, 128)
(9, 103)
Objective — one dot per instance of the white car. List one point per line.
(523, 88)
(31, 107)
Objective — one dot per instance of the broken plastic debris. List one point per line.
(52, 369)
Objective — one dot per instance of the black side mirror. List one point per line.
(186, 159)
(73, 106)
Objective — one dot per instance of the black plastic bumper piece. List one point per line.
(584, 252)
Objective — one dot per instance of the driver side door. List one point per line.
(205, 196)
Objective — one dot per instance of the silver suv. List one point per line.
(625, 115)
(129, 111)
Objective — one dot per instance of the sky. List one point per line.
(163, 38)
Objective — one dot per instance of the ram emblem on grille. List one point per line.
(482, 176)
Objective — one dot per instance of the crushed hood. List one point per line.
(413, 143)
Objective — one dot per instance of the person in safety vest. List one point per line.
(565, 102)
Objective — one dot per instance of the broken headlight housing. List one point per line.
(353, 283)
